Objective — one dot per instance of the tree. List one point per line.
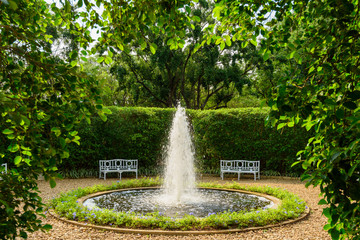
(206, 78)
(41, 99)
(321, 94)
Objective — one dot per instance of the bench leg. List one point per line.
(222, 175)
(104, 175)
(120, 175)
(136, 175)
(254, 176)
(238, 176)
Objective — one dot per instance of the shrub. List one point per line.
(141, 133)
(242, 134)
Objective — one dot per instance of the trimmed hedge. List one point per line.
(242, 134)
(141, 133)
(128, 133)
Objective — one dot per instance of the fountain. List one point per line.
(178, 195)
(179, 179)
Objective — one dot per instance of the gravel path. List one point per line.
(310, 228)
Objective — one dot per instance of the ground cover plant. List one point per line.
(67, 206)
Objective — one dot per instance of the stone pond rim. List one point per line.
(275, 200)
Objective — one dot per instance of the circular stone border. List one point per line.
(275, 200)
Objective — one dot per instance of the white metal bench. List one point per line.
(240, 166)
(5, 171)
(118, 165)
(4, 165)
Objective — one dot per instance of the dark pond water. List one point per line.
(201, 203)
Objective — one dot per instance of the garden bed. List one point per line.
(291, 207)
(309, 228)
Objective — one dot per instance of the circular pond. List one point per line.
(201, 203)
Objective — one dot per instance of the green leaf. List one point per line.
(292, 54)
(102, 116)
(7, 131)
(335, 234)
(13, 147)
(108, 60)
(47, 227)
(62, 142)
(107, 110)
(121, 47)
(228, 40)
(244, 44)
(355, 95)
(58, 21)
(69, 127)
(11, 136)
(56, 131)
(222, 45)
(350, 105)
(67, 6)
(311, 69)
(340, 113)
(73, 133)
(217, 11)
(295, 163)
(266, 55)
(65, 155)
(170, 42)
(13, 5)
(27, 153)
(322, 202)
(52, 183)
(153, 48)
(327, 227)
(23, 234)
(17, 160)
(335, 156)
(196, 18)
(281, 125)
(326, 212)
(352, 169)
(218, 40)
(73, 63)
(100, 59)
(253, 42)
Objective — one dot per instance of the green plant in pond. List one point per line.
(67, 206)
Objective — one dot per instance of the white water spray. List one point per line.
(179, 179)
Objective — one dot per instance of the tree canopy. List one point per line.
(321, 92)
(206, 78)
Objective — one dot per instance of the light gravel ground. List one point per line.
(310, 228)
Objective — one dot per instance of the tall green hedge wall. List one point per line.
(141, 133)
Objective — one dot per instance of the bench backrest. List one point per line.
(118, 164)
(244, 165)
(4, 165)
